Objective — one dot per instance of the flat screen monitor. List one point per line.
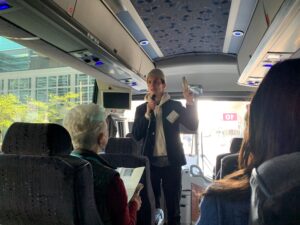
(116, 100)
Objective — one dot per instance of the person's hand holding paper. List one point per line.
(131, 178)
(136, 196)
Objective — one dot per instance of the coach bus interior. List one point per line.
(59, 53)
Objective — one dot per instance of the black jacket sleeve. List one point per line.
(140, 124)
(189, 117)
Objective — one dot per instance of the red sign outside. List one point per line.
(229, 116)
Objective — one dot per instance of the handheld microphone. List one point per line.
(153, 97)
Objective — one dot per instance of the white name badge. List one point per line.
(173, 116)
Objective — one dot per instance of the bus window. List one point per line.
(35, 88)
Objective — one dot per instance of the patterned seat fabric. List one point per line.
(125, 145)
(40, 183)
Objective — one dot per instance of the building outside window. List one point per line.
(1, 87)
(84, 85)
(52, 85)
(45, 86)
(20, 87)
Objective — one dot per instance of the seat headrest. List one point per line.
(276, 191)
(235, 145)
(122, 146)
(37, 139)
(129, 135)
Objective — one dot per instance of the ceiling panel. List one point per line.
(185, 26)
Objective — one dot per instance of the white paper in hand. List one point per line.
(131, 178)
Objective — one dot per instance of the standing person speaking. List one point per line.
(157, 123)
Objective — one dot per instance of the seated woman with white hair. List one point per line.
(87, 127)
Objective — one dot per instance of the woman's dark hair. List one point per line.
(272, 128)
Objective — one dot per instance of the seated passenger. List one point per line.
(87, 127)
(272, 130)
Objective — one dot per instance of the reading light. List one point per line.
(99, 63)
(251, 83)
(4, 6)
(267, 65)
(238, 33)
(254, 82)
(144, 42)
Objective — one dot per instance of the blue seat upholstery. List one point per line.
(40, 183)
(275, 198)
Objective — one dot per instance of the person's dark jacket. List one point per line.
(141, 127)
(110, 193)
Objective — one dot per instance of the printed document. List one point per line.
(131, 178)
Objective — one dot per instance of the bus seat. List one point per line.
(217, 169)
(122, 152)
(139, 143)
(229, 164)
(276, 191)
(235, 145)
(40, 183)
(125, 145)
(234, 148)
